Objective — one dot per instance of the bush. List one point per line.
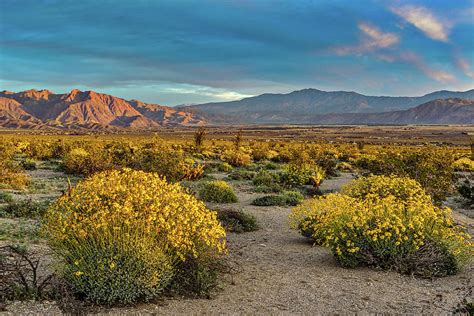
(24, 208)
(287, 198)
(28, 164)
(466, 189)
(375, 187)
(237, 221)
(121, 235)
(240, 175)
(82, 162)
(5, 197)
(434, 171)
(300, 174)
(236, 158)
(12, 178)
(464, 164)
(265, 178)
(225, 167)
(218, 192)
(387, 231)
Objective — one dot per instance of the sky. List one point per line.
(182, 52)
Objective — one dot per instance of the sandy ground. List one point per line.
(276, 271)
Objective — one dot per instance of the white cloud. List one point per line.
(219, 94)
(465, 67)
(424, 20)
(373, 39)
(421, 65)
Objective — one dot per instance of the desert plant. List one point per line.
(24, 208)
(199, 137)
(237, 221)
(218, 192)
(466, 189)
(5, 197)
(236, 158)
(21, 278)
(410, 235)
(121, 233)
(28, 164)
(291, 198)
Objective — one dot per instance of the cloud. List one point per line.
(462, 64)
(421, 65)
(373, 39)
(424, 20)
(220, 94)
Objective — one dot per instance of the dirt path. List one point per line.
(278, 271)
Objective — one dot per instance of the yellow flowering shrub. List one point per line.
(402, 188)
(120, 234)
(389, 228)
(464, 164)
(217, 191)
(236, 158)
(315, 217)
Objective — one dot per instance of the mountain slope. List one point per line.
(442, 111)
(297, 106)
(85, 109)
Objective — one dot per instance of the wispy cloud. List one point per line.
(373, 39)
(220, 94)
(420, 64)
(464, 66)
(423, 19)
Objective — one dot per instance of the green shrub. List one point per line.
(217, 192)
(225, 167)
(5, 197)
(296, 175)
(24, 208)
(287, 198)
(466, 189)
(28, 164)
(237, 221)
(265, 178)
(240, 175)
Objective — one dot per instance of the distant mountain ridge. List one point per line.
(302, 105)
(37, 109)
(85, 109)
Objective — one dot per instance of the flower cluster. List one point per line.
(386, 222)
(116, 216)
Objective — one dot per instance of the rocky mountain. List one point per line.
(442, 111)
(85, 109)
(302, 106)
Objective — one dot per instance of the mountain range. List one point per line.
(77, 109)
(310, 106)
(85, 109)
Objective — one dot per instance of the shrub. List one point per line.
(464, 164)
(265, 178)
(236, 158)
(434, 171)
(225, 167)
(218, 192)
(5, 197)
(12, 178)
(466, 189)
(404, 189)
(28, 164)
(24, 208)
(409, 235)
(120, 234)
(240, 175)
(237, 221)
(82, 162)
(291, 198)
(301, 174)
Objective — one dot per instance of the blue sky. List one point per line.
(175, 52)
